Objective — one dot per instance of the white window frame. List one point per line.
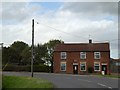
(97, 65)
(63, 53)
(82, 54)
(81, 65)
(95, 55)
(61, 65)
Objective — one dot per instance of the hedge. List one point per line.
(41, 68)
(36, 68)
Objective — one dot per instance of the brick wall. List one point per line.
(74, 57)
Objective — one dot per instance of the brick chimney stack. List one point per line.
(90, 40)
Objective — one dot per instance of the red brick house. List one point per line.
(77, 58)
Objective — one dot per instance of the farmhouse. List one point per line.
(82, 58)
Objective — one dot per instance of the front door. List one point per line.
(104, 68)
(75, 69)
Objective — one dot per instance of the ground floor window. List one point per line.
(63, 66)
(83, 66)
(96, 66)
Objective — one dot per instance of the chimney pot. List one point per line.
(90, 40)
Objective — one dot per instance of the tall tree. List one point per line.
(16, 48)
(5, 56)
(40, 53)
(26, 56)
(9, 55)
(50, 47)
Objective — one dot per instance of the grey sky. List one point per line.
(69, 21)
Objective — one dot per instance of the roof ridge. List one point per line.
(81, 43)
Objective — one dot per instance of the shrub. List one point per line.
(36, 68)
(41, 68)
(90, 69)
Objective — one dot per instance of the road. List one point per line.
(73, 81)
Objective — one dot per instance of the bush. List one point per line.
(90, 69)
(41, 68)
(11, 67)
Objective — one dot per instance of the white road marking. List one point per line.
(104, 85)
(101, 84)
(110, 87)
(97, 83)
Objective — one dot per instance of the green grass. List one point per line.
(110, 76)
(25, 82)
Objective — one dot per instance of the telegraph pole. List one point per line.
(1, 48)
(32, 48)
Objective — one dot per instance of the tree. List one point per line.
(40, 53)
(5, 56)
(50, 48)
(16, 49)
(26, 56)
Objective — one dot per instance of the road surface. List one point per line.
(73, 81)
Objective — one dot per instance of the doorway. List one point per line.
(75, 69)
(104, 68)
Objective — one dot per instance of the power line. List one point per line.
(70, 34)
(108, 40)
(74, 34)
(62, 31)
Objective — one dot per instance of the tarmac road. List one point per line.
(73, 81)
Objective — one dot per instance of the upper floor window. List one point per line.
(96, 55)
(63, 55)
(82, 55)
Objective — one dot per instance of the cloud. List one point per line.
(92, 7)
(71, 22)
(13, 12)
(16, 12)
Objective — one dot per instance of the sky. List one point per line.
(72, 22)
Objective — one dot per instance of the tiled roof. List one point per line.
(82, 47)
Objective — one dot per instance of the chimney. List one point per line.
(90, 40)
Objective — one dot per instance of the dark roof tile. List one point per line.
(82, 47)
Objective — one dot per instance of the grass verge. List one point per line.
(24, 82)
(110, 76)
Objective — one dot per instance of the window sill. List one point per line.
(97, 58)
(83, 70)
(96, 70)
(63, 70)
